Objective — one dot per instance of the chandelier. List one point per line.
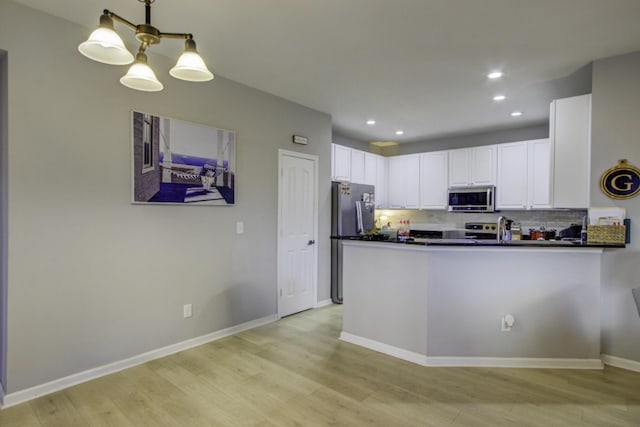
(105, 45)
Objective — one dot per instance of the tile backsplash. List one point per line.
(443, 220)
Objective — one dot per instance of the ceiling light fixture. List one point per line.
(105, 45)
(499, 98)
(495, 75)
(371, 122)
(399, 132)
(517, 114)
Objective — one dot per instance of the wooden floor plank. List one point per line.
(296, 372)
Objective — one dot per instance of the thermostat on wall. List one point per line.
(297, 139)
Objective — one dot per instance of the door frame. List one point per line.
(279, 259)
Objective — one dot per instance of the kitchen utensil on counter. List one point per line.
(516, 231)
(573, 232)
(541, 234)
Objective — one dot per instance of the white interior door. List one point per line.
(297, 232)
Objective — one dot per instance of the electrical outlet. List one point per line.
(503, 325)
(187, 310)
(506, 323)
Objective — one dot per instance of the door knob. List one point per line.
(311, 242)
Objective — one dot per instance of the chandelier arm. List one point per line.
(120, 19)
(186, 36)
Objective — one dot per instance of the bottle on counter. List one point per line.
(583, 231)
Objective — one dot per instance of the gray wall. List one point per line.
(3, 218)
(347, 141)
(93, 279)
(616, 135)
(487, 138)
(461, 141)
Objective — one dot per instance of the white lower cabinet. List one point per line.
(523, 175)
(434, 172)
(404, 181)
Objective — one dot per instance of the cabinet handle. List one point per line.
(311, 242)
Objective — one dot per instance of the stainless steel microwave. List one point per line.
(472, 199)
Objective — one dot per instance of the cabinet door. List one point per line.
(404, 181)
(483, 165)
(539, 156)
(370, 168)
(397, 168)
(459, 167)
(357, 166)
(433, 180)
(512, 180)
(570, 132)
(412, 182)
(381, 182)
(341, 161)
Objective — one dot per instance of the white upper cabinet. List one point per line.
(459, 167)
(483, 165)
(523, 180)
(570, 133)
(404, 181)
(434, 168)
(472, 166)
(357, 166)
(360, 167)
(341, 163)
(381, 194)
(539, 165)
(513, 178)
(370, 168)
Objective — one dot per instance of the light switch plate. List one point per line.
(239, 227)
(187, 310)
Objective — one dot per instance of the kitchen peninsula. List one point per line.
(440, 305)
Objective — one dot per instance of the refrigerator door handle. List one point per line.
(359, 225)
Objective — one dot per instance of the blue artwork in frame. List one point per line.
(177, 162)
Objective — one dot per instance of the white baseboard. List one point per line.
(619, 362)
(390, 350)
(496, 362)
(21, 396)
(324, 303)
(516, 362)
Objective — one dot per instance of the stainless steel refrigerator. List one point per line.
(352, 215)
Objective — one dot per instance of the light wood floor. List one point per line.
(295, 372)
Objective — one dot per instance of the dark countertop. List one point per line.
(510, 243)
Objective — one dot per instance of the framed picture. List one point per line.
(177, 162)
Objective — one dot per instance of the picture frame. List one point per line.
(181, 163)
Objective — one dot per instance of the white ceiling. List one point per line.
(416, 65)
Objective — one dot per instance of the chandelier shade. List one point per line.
(106, 46)
(191, 66)
(141, 77)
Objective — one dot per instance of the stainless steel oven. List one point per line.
(472, 199)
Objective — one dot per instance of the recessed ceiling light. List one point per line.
(399, 132)
(495, 75)
(499, 98)
(371, 122)
(517, 113)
